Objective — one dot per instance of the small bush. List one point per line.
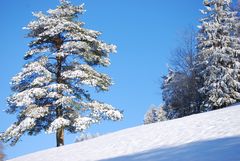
(86, 136)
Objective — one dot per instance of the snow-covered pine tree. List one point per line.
(50, 93)
(218, 55)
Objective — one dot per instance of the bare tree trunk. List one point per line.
(60, 137)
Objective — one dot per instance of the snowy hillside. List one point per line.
(212, 136)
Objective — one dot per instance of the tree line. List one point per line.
(205, 69)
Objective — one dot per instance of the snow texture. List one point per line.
(210, 136)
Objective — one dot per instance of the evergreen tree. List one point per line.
(217, 63)
(50, 93)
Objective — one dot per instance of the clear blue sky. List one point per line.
(145, 31)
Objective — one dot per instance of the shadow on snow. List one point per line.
(225, 149)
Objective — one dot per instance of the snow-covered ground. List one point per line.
(211, 136)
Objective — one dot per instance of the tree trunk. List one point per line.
(59, 111)
(60, 137)
(1, 153)
(60, 131)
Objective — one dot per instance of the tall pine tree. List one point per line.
(50, 93)
(218, 55)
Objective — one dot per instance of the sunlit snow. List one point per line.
(210, 136)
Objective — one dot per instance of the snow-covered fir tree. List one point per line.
(155, 114)
(50, 93)
(218, 55)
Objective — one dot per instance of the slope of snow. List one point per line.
(211, 136)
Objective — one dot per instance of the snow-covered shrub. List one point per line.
(86, 136)
(155, 114)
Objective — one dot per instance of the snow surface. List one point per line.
(211, 136)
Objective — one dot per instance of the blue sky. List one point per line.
(145, 31)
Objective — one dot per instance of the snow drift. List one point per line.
(211, 136)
